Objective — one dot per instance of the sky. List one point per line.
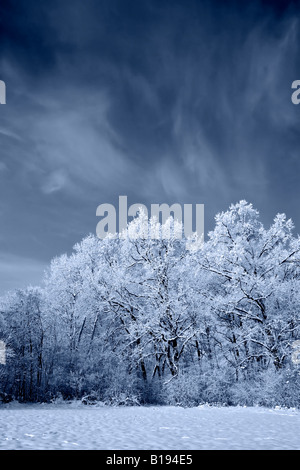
(163, 101)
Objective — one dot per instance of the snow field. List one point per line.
(147, 428)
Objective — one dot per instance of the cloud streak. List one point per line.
(165, 102)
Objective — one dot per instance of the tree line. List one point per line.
(142, 320)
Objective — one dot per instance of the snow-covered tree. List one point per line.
(143, 315)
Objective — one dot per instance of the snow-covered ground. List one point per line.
(81, 427)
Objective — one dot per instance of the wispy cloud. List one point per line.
(164, 103)
(56, 181)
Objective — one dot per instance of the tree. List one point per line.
(24, 334)
(254, 273)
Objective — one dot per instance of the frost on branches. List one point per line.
(143, 319)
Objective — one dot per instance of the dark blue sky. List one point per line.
(163, 101)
